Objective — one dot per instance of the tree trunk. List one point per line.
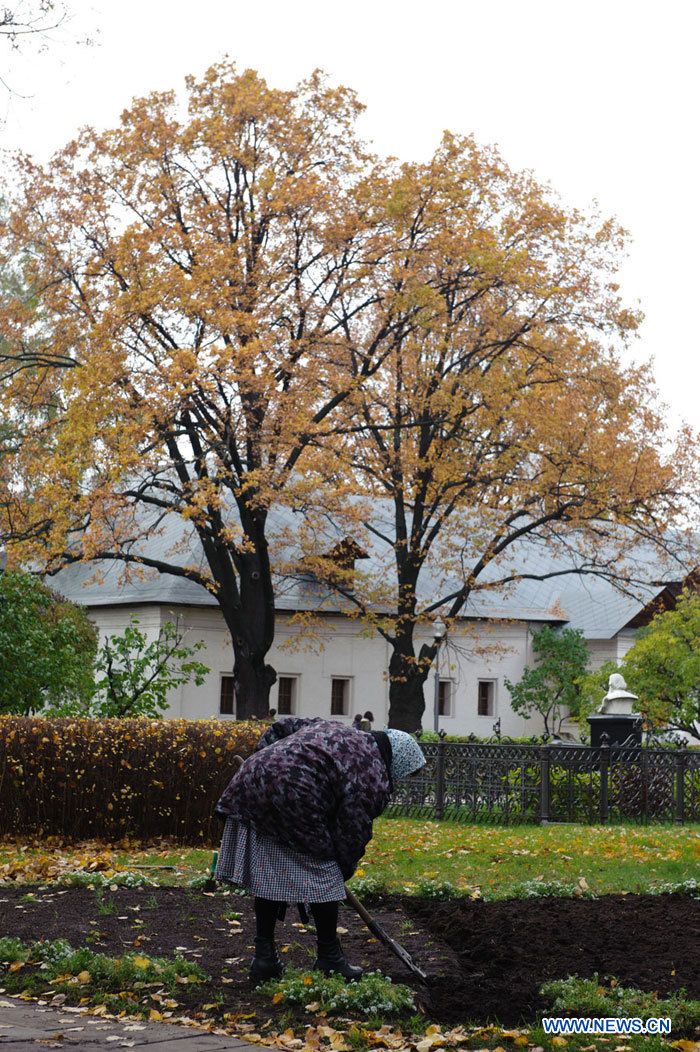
(252, 679)
(407, 677)
(251, 622)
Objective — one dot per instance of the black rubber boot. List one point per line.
(332, 959)
(266, 964)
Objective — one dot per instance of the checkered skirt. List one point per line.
(270, 870)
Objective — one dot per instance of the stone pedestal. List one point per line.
(620, 728)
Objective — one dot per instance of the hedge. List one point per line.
(115, 778)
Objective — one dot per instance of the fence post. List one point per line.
(680, 786)
(645, 784)
(440, 777)
(604, 775)
(544, 784)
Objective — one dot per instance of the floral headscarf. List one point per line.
(406, 754)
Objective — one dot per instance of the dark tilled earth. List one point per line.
(485, 961)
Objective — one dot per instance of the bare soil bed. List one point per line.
(485, 961)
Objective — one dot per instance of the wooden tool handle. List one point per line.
(369, 920)
(359, 908)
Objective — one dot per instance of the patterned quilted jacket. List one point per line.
(314, 785)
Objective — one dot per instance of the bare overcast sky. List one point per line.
(601, 99)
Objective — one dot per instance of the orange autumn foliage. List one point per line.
(192, 271)
(239, 308)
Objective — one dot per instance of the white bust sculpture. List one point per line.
(619, 700)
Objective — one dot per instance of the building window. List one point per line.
(340, 697)
(445, 698)
(486, 697)
(227, 697)
(286, 695)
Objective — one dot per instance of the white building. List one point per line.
(343, 670)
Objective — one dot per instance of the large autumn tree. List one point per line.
(194, 269)
(502, 417)
(249, 312)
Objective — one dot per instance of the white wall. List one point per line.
(479, 651)
(602, 650)
(112, 620)
(625, 641)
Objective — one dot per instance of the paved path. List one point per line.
(25, 1026)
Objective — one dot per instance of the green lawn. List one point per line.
(405, 852)
(493, 859)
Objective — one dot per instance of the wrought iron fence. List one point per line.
(512, 783)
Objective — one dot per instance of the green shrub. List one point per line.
(47, 646)
(126, 879)
(372, 995)
(690, 887)
(369, 888)
(436, 889)
(65, 968)
(540, 889)
(589, 998)
(12, 950)
(475, 739)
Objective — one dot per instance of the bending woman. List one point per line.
(299, 816)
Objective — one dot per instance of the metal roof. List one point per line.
(587, 602)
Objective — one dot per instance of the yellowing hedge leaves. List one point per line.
(109, 779)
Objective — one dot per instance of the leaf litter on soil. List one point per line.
(485, 961)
